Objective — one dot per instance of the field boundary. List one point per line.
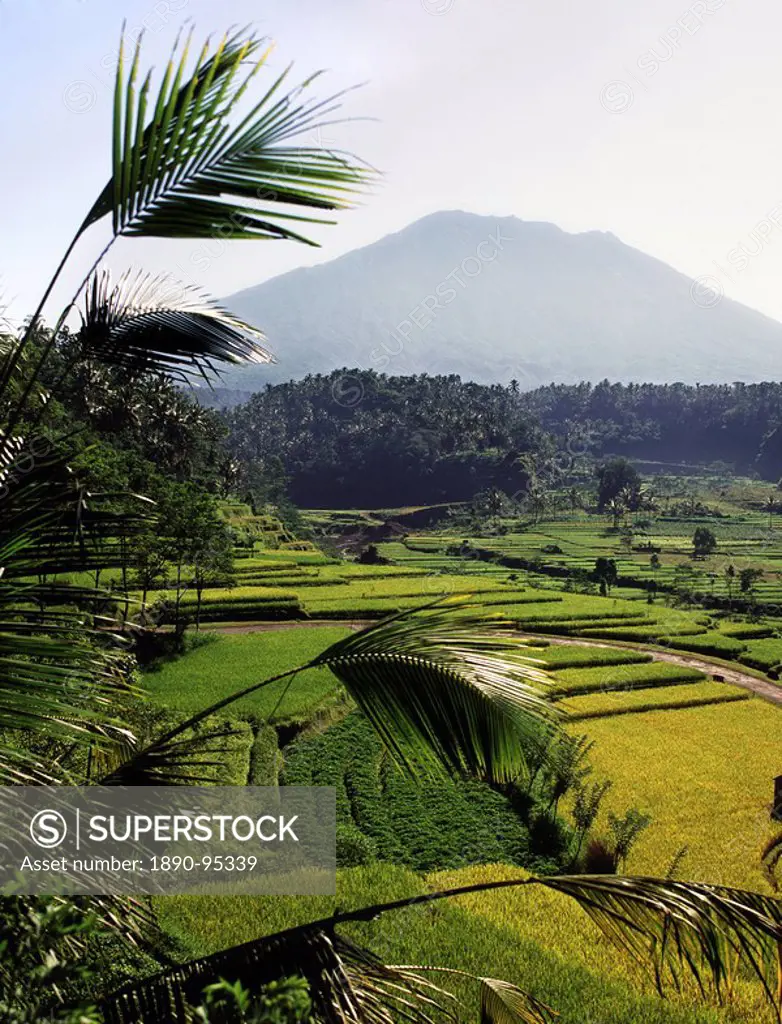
(747, 680)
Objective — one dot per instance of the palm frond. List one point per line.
(146, 323)
(185, 172)
(503, 1003)
(707, 931)
(460, 689)
(684, 927)
(348, 985)
(62, 676)
(176, 763)
(60, 681)
(130, 918)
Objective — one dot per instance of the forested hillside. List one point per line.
(367, 440)
(357, 438)
(737, 424)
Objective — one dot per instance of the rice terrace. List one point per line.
(462, 529)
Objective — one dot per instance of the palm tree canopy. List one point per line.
(147, 323)
(181, 169)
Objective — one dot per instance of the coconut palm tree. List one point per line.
(443, 689)
(183, 167)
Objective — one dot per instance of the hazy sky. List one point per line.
(657, 120)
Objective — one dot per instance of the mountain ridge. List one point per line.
(500, 298)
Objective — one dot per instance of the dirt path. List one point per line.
(273, 627)
(767, 690)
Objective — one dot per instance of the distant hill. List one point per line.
(494, 299)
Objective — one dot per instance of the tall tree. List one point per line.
(704, 542)
(617, 478)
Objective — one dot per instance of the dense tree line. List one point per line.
(355, 437)
(133, 432)
(737, 424)
(141, 431)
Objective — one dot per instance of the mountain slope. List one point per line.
(499, 298)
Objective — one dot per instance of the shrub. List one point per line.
(154, 647)
(354, 849)
(598, 858)
(371, 556)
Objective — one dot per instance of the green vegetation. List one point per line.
(573, 656)
(231, 662)
(439, 822)
(716, 644)
(450, 732)
(762, 654)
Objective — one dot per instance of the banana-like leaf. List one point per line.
(181, 170)
(146, 323)
(684, 927)
(453, 687)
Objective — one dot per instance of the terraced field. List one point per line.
(703, 773)
(696, 753)
(571, 542)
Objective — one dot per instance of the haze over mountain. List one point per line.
(494, 299)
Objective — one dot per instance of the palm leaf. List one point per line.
(684, 927)
(348, 985)
(146, 323)
(62, 677)
(181, 763)
(503, 1003)
(459, 689)
(704, 930)
(441, 689)
(186, 172)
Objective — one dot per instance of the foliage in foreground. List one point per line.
(423, 824)
(438, 690)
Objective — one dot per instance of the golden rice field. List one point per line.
(599, 705)
(556, 923)
(706, 774)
